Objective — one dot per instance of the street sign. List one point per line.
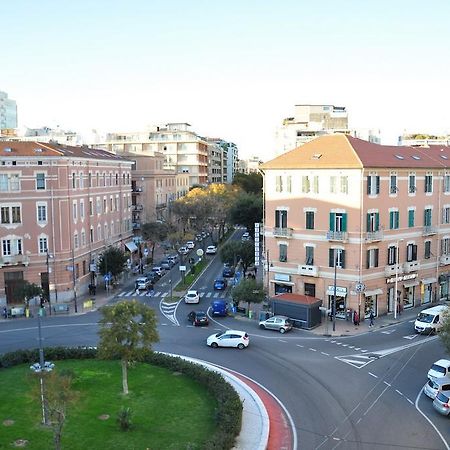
(69, 268)
(146, 252)
(359, 287)
(182, 268)
(200, 252)
(92, 267)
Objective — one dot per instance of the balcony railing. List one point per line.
(137, 207)
(393, 269)
(136, 190)
(444, 260)
(282, 232)
(374, 236)
(411, 266)
(14, 260)
(311, 271)
(337, 236)
(428, 230)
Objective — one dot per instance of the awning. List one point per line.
(338, 293)
(409, 284)
(429, 280)
(373, 292)
(288, 283)
(131, 246)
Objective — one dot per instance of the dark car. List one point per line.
(220, 284)
(153, 276)
(166, 264)
(198, 318)
(228, 272)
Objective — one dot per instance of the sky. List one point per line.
(232, 69)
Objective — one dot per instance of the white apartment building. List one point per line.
(8, 112)
(423, 140)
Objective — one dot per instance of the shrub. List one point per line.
(124, 419)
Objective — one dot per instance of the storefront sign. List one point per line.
(282, 277)
(341, 291)
(400, 278)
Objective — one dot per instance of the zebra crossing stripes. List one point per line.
(161, 294)
(208, 294)
(359, 360)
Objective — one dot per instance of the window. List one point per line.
(12, 247)
(105, 206)
(6, 247)
(392, 253)
(428, 183)
(333, 184)
(373, 185)
(447, 183)
(412, 183)
(394, 219)
(372, 258)
(83, 238)
(309, 256)
(411, 217)
(74, 181)
(338, 222)
(280, 219)
(42, 213)
(283, 252)
(43, 245)
(393, 188)
(111, 204)
(75, 240)
(310, 220)
(91, 208)
(81, 209)
(90, 179)
(74, 211)
(81, 181)
(427, 252)
(427, 217)
(99, 233)
(40, 181)
(9, 182)
(336, 257)
(446, 214)
(306, 184)
(373, 221)
(289, 183)
(10, 214)
(91, 235)
(445, 246)
(99, 205)
(116, 203)
(5, 214)
(344, 185)
(411, 252)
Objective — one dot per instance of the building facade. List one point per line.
(250, 165)
(366, 223)
(60, 206)
(8, 112)
(423, 140)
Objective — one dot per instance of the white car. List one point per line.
(192, 297)
(190, 244)
(439, 369)
(229, 338)
(183, 250)
(245, 236)
(211, 250)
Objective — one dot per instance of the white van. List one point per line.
(430, 320)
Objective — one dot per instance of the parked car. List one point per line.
(190, 245)
(228, 272)
(143, 282)
(219, 308)
(211, 250)
(198, 237)
(229, 338)
(158, 270)
(198, 318)
(430, 320)
(220, 284)
(166, 264)
(441, 403)
(436, 385)
(439, 369)
(183, 250)
(192, 297)
(173, 258)
(205, 234)
(245, 236)
(153, 276)
(279, 323)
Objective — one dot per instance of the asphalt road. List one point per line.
(361, 392)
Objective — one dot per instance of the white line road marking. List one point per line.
(411, 336)
(157, 294)
(399, 393)
(201, 294)
(344, 345)
(357, 348)
(299, 345)
(281, 340)
(312, 349)
(358, 361)
(164, 294)
(332, 342)
(410, 401)
(373, 375)
(386, 383)
(326, 354)
(351, 346)
(363, 350)
(338, 343)
(121, 294)
(129, 293)
(216, 294)
(208, 295)
(412, 321)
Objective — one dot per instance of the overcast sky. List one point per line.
(232, 69)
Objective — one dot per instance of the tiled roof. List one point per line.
(297, 298)
(42, 150)
(342, 151)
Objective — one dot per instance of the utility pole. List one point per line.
(74, 280)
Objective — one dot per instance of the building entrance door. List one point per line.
(12, 281)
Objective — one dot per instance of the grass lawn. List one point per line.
(169, 410)
(189, 279)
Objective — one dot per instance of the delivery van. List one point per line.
(430, 320)
(219, 308)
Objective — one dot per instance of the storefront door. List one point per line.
(370, 304)
(390, 300)
(408, 301)
(427, 293)
(340, 306)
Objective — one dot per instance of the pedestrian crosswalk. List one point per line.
(161, 294)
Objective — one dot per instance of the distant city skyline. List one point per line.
(233, 70)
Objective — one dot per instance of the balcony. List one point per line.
(136, 190)
(14, 260)
(444, 260)
(393, 269)
(429, 230)
(373, 236)
(411, 266)
(311, 271)
(282, 232)
(136, 226)
(161, 206)
(137, 207)
(340, 236)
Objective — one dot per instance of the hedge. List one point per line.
(228, 414)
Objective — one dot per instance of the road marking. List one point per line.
(358, 361)
(373, 375)
(363, 351)
(208, 295)
(299, 345)
(164, 294)
(332, 342)
(411, 336)
(357, 348)
(216, 294)
(201, 294)
(412, 321)
(351, 346)
(122, 293)
(326, 354)
(130, 293)
(410, 401)
(399, 393)
(312, 349)
(281, 340)
(157, 294)
(386, 383)
(338, 343)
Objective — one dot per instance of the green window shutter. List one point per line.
(377, 221)
(369, 184)
(342, 259)
(344, 222)
(378, 184)
(368, 259)
(331, 257)
(411, 218)
(376, 257)
(368, 222)
(397, 220)
(332, 221)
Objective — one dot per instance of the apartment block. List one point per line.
(367, 223)
(59, 207)
(423, 140)
(249, 165)
(8, 112)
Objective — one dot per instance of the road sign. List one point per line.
(200, 252)
(359, 287)
(146, 252)
(182, 268)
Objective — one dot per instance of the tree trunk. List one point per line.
(153, 251)
(125, 376)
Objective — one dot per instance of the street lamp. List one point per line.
(397, 262)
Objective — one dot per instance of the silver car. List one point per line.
(442, 403)
(278, 323)
(436, 385)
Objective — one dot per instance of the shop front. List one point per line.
(427, 290)
(443, 286)
(371, 302)
(406, 291)
(409, 294)
(282, 283)
(341, 300)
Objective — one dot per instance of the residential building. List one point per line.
(367, 223)
(423, 140)
(249, 165)
(8, 112)
(217, 161)
(232, 159)
(59, 207)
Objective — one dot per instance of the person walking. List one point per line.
(5, 313)
(356, 318)
(371, 317)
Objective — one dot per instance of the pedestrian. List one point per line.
(356, 318)
(371, 317)
(5, 313)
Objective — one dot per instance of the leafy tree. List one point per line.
(127, 330)
(26, 291)
(234, 251)
(247, 210)
(444, 333)
(251, 183)
(112, 260)
(248, 290)
(155, 232)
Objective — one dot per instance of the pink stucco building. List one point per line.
(59, 207)
(379, 215)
